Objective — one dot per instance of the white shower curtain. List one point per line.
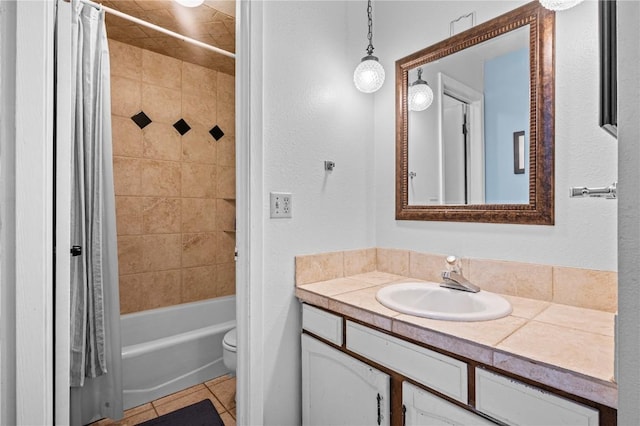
(96, 376)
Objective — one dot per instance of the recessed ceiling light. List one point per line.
(190, 3)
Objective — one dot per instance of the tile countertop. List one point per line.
(565, 347)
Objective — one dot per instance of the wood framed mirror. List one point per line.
(455, 159)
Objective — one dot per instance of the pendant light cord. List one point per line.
(370, 35)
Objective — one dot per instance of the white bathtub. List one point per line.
(169, 349)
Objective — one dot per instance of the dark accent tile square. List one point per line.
(181, 126)
(141, 119)
(216, 132)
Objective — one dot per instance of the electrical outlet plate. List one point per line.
(280, 204)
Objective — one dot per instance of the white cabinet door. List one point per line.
(340, 390)
(422, 408)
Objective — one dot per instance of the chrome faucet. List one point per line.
(456, 281)
(453, 279)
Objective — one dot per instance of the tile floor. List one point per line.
(220, 391)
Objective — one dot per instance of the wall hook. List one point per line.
(329, 165)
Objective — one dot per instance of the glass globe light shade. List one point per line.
(420, 96)
(559, 4)
(369, 75)
(190, 3)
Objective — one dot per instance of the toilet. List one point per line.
(229, 357)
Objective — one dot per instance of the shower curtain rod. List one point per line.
(160, 29)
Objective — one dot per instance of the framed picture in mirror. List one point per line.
(608, 72)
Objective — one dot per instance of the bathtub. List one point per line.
(169, 349)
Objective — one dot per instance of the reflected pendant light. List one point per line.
(420, 94)
(559, 4)
(190, 3)
(369, 74)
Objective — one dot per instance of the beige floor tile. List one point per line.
(183, 399)
(218, 380)
(228, 419)
(225, 391)
(138, 418)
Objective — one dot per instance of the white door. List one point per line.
(425, 409)
(340, 390)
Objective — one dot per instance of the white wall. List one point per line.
(584, 234)
(311, 113)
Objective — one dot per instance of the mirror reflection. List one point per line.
(468, 125)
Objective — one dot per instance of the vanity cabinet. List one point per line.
(340, 390)
(354, 374)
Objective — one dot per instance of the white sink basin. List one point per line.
(429, 300)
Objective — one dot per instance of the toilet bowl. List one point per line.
(229, 357)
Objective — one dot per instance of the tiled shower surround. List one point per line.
(174, 184)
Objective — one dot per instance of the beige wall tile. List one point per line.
(126, 96)
(150, 290)
(359, 261)
(226, 182)
(130, 254)
(161, 104)
(127, 137)
(161, 215)
(393, 261)
(225, 252)
(199, 283)
(161, 142)
(199, 249)
(127, 176)
(161, 252)
(226, 89)
(226, 279)
(199, 110)
(226, 215)
(198, 215)
(161, 70)
(199, 146)
(125, 60)
(198, 180)
(586, 288)
(227, 151)
(226, 119)
(319, 267)
(513, 278)
(161, 178)
(199, 80)
(129, 215)
(427, 267)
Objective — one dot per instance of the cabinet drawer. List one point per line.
(514, 402)
(322, 324)
(439, 372)
(424, 408)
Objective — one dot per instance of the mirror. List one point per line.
(482, 150)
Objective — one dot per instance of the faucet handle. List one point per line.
(453, 264)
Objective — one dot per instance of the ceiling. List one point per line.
(213, 23)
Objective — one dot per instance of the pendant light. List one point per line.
(557, 5)
(190, 3)
(369, 74)
(420, 94)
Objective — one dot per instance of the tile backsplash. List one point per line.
(584, 288)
